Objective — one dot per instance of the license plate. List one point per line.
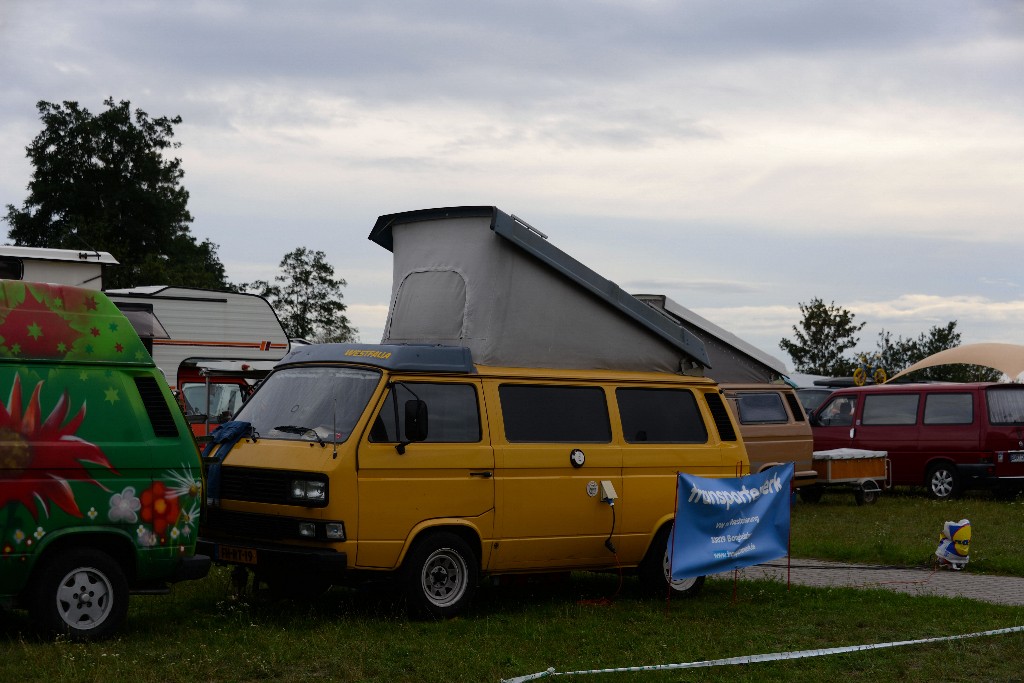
(1016, 456)
(229, 553)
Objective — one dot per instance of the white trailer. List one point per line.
(210, 345)
(78, 267)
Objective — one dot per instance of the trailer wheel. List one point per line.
(440, 572)
(82, 594)
(811, 494)
(865, 496)
(942, 481)
(654, 571)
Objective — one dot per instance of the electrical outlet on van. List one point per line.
(608, 494)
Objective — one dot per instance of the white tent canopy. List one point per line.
(1007, 358)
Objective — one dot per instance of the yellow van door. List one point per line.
(553, 451)
(447, 477)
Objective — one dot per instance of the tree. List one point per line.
(902, 353)
(824, 335)
(307, 298)
(102, 182)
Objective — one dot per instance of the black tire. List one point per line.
(865, 496)
(81, 594)
(942, 481)
(440, 575)
(653, 572)
(811, 494)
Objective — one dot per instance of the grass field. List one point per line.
(202, 632)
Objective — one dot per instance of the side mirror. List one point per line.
(812, 419)
(415, 420)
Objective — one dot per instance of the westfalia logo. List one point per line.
(369, 353)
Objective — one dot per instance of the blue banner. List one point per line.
(724, 524)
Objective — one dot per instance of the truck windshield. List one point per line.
(310, 403)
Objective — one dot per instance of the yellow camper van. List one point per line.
(352, 461)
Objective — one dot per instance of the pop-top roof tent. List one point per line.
(477, 277)
(732, 359)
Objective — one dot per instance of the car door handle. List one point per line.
(483, 475)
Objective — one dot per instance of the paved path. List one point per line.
(1002, 590)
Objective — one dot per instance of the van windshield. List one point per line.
(310, 403)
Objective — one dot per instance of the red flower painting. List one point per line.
(39, 456)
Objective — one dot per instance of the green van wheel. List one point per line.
(81, 594)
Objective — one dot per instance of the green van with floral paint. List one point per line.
(100, 481)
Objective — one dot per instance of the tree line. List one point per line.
(104, 182)
(826, 334)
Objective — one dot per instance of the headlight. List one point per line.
(321, 531)
(309, 491)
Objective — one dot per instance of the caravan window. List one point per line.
(11, 268)
(554, 414)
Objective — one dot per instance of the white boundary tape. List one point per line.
(755, 659)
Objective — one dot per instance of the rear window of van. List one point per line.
(554, 414)
(1006, 405)
(890, 409)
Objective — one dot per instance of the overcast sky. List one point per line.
(739, 157)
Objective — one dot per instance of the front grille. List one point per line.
(264, 486)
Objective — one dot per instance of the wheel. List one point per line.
(865, 496)
(811, 494)
(82, 594)
(859, 377)
(942, 481)
(655, 571)
(440, 575)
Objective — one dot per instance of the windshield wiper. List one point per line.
(292, 429)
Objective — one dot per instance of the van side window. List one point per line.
(660, 416)
(554, 414)
(838, 412)
(761, 408)
(1005, 405)
(948, 409)
(890, 409)
(453, 415)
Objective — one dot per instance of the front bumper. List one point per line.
(272, 558)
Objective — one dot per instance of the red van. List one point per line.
(947, 437)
